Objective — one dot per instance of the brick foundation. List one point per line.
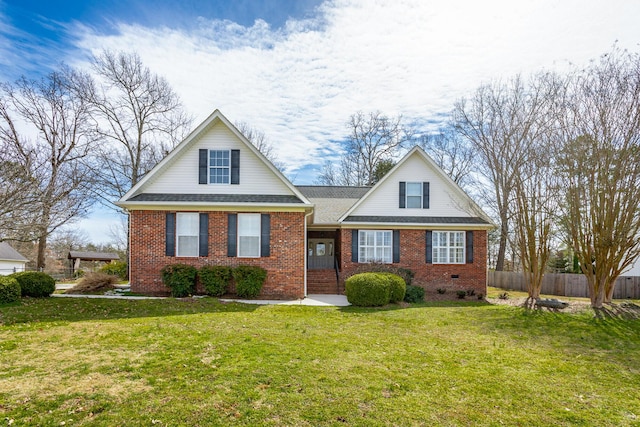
(285, 271)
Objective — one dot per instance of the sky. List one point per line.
(298, 69)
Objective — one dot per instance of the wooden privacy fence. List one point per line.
(568, 285)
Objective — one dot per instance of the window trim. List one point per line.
(209, 167)
(361, 252)
(435, 258)
(178, 235)
(259, 235)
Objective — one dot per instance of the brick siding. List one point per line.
(430, 276)
(285, 265)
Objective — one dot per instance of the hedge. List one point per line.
(249, 280)
(215, 279)
(368, 290)
(35, 283)
(9, 290)
(398, 287)
(180, 278)
(116, 268)
(414, 294)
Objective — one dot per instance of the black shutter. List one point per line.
(204, 235)
(425, 195)
(203, 164)
(265, 235)
(429, 247)
(396, 246)
(232, 234)
(469, 249)
(170, 234)
(235, 166)
(354, 245)
(403, 195)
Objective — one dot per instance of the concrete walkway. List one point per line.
(311, 300)
(314, 300)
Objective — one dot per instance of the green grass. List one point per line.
(198, 362)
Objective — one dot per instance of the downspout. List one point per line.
(306, 244)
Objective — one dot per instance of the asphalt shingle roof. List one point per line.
(7, 253)
(332, 192)
(416, 219)
(215, 198)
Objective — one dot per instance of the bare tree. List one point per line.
(497, 121)
(54, 163)
(451, 152)
(138, 116)
(600, 164)
(261, 142)
(373, 138)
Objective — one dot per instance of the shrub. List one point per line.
(398, 287)
(368, 289)
(441, 291)
(215, 279)
(414, 294)
(461, 294)
(249, 280)
(405, 273)
(9, 290)
(180, 278)
(94, 283)
(504, 295)
(35, 283)
(471, 292)
(116, 268)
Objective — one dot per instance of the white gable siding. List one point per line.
(443, 198)
(181, 176)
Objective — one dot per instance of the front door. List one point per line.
(320, 253)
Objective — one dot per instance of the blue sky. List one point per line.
(297, 70)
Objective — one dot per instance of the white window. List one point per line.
(414, 195)
(374, 246)
(448, 247)
(249, 235)
(187, 233)
(219, 166)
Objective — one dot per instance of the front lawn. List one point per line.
(67, 361)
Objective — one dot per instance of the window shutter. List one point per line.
(203, 240)
(396, 246)
(403, 195)
(170, 234)
(425, 195)
(232, 235)
(469, 248)
(235, 166)
(203, 164)
(354, 245)
(265, 235)
(429, 247)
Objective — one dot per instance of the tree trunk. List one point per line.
(502, 249)
(42, 247)
(597, 296)
(608, 297)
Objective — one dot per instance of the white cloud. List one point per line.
(301, 83)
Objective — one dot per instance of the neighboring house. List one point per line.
(216, 200)
(11, 261)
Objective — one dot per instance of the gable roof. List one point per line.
(7, 253)
(476, 215)
(136, 196)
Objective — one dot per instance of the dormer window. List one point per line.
(219, 166)
(414, 195)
